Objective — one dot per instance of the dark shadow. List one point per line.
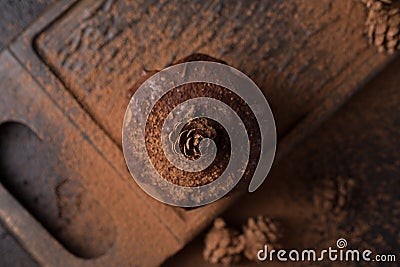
(30, 171)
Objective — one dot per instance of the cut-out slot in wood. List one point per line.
(31, 172)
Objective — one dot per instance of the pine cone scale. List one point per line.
(382, 25)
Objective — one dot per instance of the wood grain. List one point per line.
(296, 51)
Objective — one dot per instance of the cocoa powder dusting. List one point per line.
(194, 131)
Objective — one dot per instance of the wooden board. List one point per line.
(17, 15)
(93, 216)
(300, 53)
(308, 57)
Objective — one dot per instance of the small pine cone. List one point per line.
(369, 3)
(223, 245)
(382, 25)
(332, 195)
(258, 232)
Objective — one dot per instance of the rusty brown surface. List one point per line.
(360, 143)
(67, 185)
(184, 224)
(31, 170)
(17, 15)
(296, 51)
(307, 56)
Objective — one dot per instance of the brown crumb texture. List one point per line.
(383, 24)
(196, 130)
(223, 245)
